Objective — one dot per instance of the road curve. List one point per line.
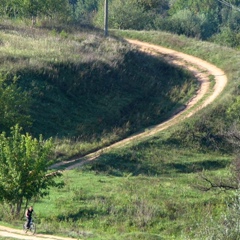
(200, 68)
(202, 71)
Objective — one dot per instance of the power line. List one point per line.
(229, 5)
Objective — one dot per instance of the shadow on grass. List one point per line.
(192, 167)
(83, 213)
(122, 165)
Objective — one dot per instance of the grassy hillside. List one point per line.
(207, 129)
(146, 191)
(88, 91)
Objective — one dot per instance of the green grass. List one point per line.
(87, 91)
(145, 191)
(139, 192)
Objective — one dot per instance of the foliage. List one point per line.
(124, 15)
(203, 19)
(33, 8)
(196, 6)
(156, 6)
(14, 104)
(142, 192)
(24, 163)
(84, 11)
(227, 37)
(183, 22)
(227, 227)
(233, 110)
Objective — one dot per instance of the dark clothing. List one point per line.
(29, 217)
(29, 213)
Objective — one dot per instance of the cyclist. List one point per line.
(28, 215)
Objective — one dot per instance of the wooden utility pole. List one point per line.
(106, 18)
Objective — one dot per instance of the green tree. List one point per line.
(24, 163)
(153, 5)
(195, 6)
(125, 14)
(34, 8)
(14, 104)
(86, 10)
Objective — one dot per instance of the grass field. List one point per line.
(148, 190)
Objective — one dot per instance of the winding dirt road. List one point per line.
(205, 95)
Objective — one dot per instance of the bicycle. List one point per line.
(32, 227)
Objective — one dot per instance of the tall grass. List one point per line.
(142, 192)
(146, 191)
(89, 91)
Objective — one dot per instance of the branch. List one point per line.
(218, 184)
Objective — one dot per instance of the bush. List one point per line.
(187, 23)
(124, 16)
(227, 37)
(227, 227)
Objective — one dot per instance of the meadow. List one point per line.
(149, 190)
(146, 192)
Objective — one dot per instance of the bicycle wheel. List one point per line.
(32, 228)
(24, 226)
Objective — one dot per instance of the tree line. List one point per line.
(213, 20)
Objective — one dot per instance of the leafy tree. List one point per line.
(125, 14)
(24, 163)
(195, 6)
(153, 5)
(34, 8)
(85, 10)
(14, 104)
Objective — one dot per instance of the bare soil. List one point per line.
(20, 234)
(204, 96)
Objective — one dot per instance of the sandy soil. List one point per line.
(20, 234)
(201, 69)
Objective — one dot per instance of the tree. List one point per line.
(85, 10)
(153, 5)
(125, 14)
(34, 8)
(14, 104)
(24, 163)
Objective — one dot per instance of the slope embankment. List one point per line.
(205, 95)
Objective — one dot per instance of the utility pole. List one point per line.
(106, 18)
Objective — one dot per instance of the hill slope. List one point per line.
(88, 91)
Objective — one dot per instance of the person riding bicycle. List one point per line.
(28, 215)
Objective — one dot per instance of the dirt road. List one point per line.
(201, 69)
(20, 234)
